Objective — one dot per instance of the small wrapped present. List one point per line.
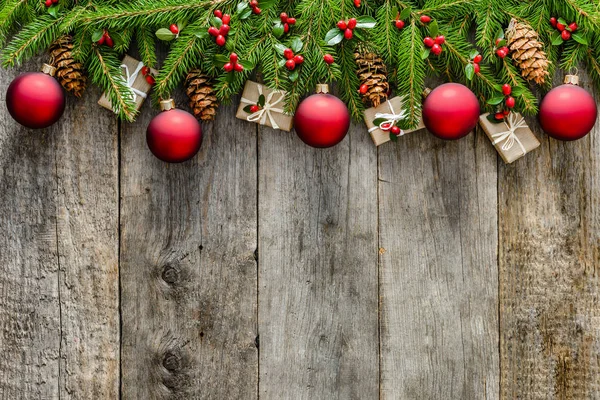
(132, 73)
(380, 120)
(512, 137)
(270, 104)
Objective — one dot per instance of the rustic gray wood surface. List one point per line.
(267, 269)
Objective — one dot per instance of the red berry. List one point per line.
(291, 21)
(256, 10)
(253, 3)
(54, 1)
(145, 70)
(224, 30)
(348, 34)
(510, 102)
(425, 19)
(254, 109)
(233, 58)
(288, 54)
(238, 67)
(560, 26)
(506, 112)
(102, 40)
(478, 58)
(436, 49)
(48, 3)
(553, 22)
(395, 130)
(440, 40)
(328, 58)
(218, 13)
(566, 35)
(506, 89)
(228, 67)
(501, 53)
(342, 25)
(109, 41)
(352, 23)
(221, 40)
(363, 89)
(213, 31)
(298, 59)
(226, 19)
(499, 116)
(399, 24)
(356, 3)
(283, 17)
(290, 64)
(174, 29)
(150, 79)
(476, 68)
(573, 27)
(428, 42)
(286, 27)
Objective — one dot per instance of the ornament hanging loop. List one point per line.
(48, 69)
(572, 78)
(166, 105)
(322, 88)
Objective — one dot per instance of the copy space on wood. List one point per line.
(188, 267)
(438, 268)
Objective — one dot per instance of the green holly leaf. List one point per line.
(474, 53)
(498, 87)
(53, 10)
(220, 59)
(334, 36)
(294, 75)
(379, 121)
(247, 65)
(394, 11)
(562, 21)
(359, 35)
(366, 22)
(492, 118)
(556, 39)
(500, 34)
(280, 48)
(281, 63)
(97, 35)
(470, 71)
(494, 101)
(181, 25)
(425, 53)
(230, 46)
(247, 109)
(230, 77)
(241, 7)
(579, 38)
(266, 4)
(245, 14)
(165, 35)
(278, 29)
(393, 137)
(296, 44)
(216, 22)
(433, 29)
(405, 14)
(202, 34)
(518, 91)
(261, 100)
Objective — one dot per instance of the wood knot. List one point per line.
(172, 362)
(170, 274)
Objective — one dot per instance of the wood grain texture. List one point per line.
(549, 208)
(188, 270)
(438, 268)
(317, 268)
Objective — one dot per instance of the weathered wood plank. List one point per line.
(549, 208)
(188, 270)
(438, 268)
(318, 268)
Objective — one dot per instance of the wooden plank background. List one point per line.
(265, 269)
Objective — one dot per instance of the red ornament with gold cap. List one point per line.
(568, 112)
(35, 99)
(450, 111)
(174, 136)
(322, 120)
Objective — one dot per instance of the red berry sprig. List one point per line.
(348, 27)
(435, 45)
(505, 101)
(292, 60)
(565, 31)
(105, 40)
(501, 49)
(49, 3)
(233, 64)
(328, 58)
(147, 73)
(287, 22)
(425, 19)
(254, 7)
(222, 29)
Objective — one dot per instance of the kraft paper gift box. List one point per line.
(512, 138)
(132, 73)
(388, 112)
(271, 113)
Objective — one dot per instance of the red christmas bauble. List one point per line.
(322, 120)
(174, 136)
(568, 112)
(451, 111)
(35, 100)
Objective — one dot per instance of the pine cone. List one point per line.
(527, 51)
(200, 90)
(70, 73)
(373, 73)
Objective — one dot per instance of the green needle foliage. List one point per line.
(470, 28)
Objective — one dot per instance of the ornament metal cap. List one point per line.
(48, 69)
(166, 105)
(426, 92)
(572, 80)
(322, 88)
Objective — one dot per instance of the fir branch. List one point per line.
(411, 72)
(349, 82)
(147, 46)
(34, 38)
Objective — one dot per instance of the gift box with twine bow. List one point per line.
(270, 104)
(381, 119)
(132, 73)
(512, 138)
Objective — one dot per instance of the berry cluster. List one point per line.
(147, 73)
(509, 102)
(220, 31)
(501, 49)
(49, 3)
(293, 60)
(254, 6)
(233, 64)
(328, 58)
(434, 44)
(106, 40)
(287, 22)
(565, 30)
(348, 27)
(476, 61)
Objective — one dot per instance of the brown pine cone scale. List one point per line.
(201, 92)
(69, 73)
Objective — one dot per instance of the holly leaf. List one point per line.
(433, 29)
(379, 121)
(181, 25)
(245, 14)
(556, 39)
(281, 63)
(230, 77)
(165, 35)
(393, 137)
(97, 35)
(219, 60)
(500, 34)
(241, 7)
(261, 100)
(501, 43)
(518, 91)
(579, 38)
(230, 46)
(359, 35)
(280, 48)
(563, 22)
(247, 65)
(296, 44)
(498, 87)
(425, 53)
(266, 4)
(294, 75)
(405, 14)
(202, 34)
(494, 101)
(492, 118)
(474, 53)
(247, 109)
(54, 10)
(278, 30)
(366, 22)
(470, 71)
(334, 36)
